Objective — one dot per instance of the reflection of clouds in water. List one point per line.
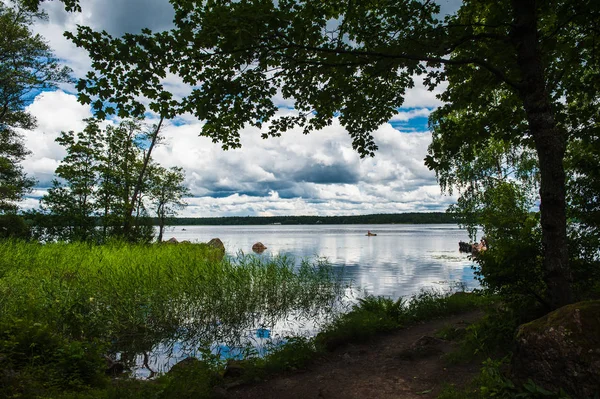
(400, 261)
(266, 335)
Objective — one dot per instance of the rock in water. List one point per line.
(219, 246)
(562, 350)
(172, 240)
(259, 247)
(217, 243)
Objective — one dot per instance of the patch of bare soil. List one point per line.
(404, 364)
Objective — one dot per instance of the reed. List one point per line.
(137, 296)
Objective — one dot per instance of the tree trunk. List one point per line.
(140, 181)
(161, 228)
(550, 144)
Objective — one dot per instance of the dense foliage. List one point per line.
(27, 65)
(107, 185)
(485, 150)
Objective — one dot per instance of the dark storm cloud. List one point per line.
(120, 16)
(285, 189)
(116, 16)
(327, 174)
(44, 180)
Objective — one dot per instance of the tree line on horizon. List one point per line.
(392, 218)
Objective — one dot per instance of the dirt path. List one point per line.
(399, 365)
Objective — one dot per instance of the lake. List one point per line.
(399, 261)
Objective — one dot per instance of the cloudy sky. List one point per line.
(318, 174)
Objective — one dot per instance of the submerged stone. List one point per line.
(259, 247)
(562, 350)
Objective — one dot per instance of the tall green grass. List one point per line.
(136, 296)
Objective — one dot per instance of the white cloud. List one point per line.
(297, 174)
(405, 116)
(55, 112)
(294, 174)
(420, 97)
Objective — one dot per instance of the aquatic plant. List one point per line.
(134, 297)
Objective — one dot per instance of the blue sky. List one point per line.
(318, 174)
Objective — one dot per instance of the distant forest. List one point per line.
(396, 218)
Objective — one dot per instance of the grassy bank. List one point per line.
(64, 307)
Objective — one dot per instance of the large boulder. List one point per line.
(217, 243)
(562, 350)
(219, 246)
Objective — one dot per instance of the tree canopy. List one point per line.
(107, 184)
(27, 65)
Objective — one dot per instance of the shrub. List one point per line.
(37, 358)
(13, 226)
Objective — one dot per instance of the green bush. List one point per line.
(370, 316)
(296, 353)
(373, 315)
(36, 358)
(490, 336)
(13, 226)
(492, 382)
(194, 380)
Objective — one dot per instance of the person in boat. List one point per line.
(482, 246)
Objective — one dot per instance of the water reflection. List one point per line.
(238, 305)
(399, 261)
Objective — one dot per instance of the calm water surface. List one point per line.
(399, 261)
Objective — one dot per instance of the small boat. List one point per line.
(369, 234)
